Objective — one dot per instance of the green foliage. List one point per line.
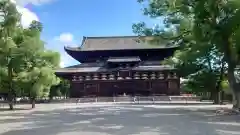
(225, 86)
(194, 25)
(26, 67)
(202, 81)
(3, 80)
(64, 87)
(61, 89)
(38, 80)
(55, 91)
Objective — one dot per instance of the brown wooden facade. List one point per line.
(125, 82)
(113, 66)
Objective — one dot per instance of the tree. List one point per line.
(38, 81)
(62, 89)
(224, 25)
(39, 75)
(202, 65)
(25, 64)
(211, 24)
(55, 91)
(9, 56)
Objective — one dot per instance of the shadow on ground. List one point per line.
(119, 120)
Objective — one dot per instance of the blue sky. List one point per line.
(67, 21)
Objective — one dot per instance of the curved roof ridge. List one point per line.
(106, 43)
(113, 36)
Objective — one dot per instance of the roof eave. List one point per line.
(77, 49)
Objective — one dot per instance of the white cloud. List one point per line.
(62, 64)
(34, 2)
(65, 38)
(66, 59)
(58, 43)
(27, 15)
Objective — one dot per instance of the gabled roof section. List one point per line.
(123, 59)
(119, 43)
(94, 68)
(84, 67)
(156, 67)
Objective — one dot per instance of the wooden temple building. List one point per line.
(123, 65)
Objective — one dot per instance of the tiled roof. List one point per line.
(123, 59)
(102, 69)
(83, 67)
(94, 64)
(76, 70)
(158, 67)
(118, 43)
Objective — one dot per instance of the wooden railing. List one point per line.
(136, 99)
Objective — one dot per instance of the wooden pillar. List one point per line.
(84, 89)
(150, 87)
(97, 93)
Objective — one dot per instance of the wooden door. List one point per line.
(90, 89)
(106, 89)
(76, 90)
(159, 87)
(173, 87)
(141, 87)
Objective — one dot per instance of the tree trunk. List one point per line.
(222, 97)
(33, 102)
(215, 97)
(10, 90)
(236, 93)
(10, 103)
(230, 59)
(236, 100)
(236, 97)
(216, 92)
(10, 99)
(234, 87)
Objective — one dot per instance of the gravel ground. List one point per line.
(120, 119)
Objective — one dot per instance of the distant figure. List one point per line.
(134, 99)
(77, 101)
